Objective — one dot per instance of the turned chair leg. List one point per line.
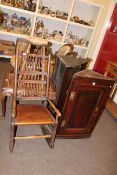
(51, 143)
(13, 129)
(3, 104)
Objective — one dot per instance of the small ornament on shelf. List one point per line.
(42, 32)
(57, 35)
(9, 25)
(73, 39)
(40, 6)
(25, 25)
(44, 10)
(4, 21)
(15, 24)
(45, 33)
(14, 20)
(62, 15)
(39, 27)
(22, 4)
(54, 13)
(30, 5)
(19, 4)
(83, 22)
(1, 17)
(76, 19)
(91, 23)
(8, 2)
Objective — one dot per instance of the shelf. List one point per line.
(81, 47)
(81, 25)
(5, 56)
(50, 17)
(78, 46)
(13, 34)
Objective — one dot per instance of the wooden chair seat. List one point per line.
(33, 115)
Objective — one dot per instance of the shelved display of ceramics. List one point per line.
(61, 22)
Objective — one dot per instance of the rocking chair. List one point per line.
(32, 83)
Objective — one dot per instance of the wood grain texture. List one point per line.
(85, 102)
(33, 114)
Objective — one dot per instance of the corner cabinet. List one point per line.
(85, 102)
(68, 21)
(64, 69)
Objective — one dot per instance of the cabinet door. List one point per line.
(83, 107)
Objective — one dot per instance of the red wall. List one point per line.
(108, 50)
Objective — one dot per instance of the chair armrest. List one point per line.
(58, 114)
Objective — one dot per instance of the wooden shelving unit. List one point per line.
(72, 31)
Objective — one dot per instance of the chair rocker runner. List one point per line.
(33, 81)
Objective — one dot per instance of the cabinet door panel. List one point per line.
(82, 108)
(86, 101)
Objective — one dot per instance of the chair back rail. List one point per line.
(15, 87)
(32, 80)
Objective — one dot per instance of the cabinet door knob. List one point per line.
(93, 83)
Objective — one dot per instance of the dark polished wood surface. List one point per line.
(65, 68)
(85, 102)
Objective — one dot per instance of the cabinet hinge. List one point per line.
(72, 96)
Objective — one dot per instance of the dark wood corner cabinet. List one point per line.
(64, 69)
(84, 103)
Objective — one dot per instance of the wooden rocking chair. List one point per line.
(32, 83)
